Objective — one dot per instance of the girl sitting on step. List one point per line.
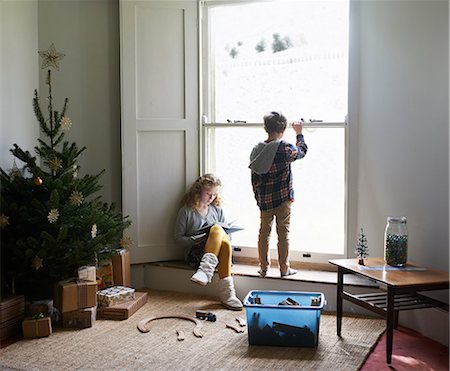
(201, 208)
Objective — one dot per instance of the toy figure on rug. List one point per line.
(208, 250)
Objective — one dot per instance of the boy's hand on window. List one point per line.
(297, 126)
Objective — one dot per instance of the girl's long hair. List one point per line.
(192, 196)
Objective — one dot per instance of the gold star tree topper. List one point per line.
(50, 57)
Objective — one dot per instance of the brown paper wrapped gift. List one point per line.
(124, 310)
(11, 316)
(75, 294)
(81, 318)
(122, 268)
(36, 328)
(88, 272)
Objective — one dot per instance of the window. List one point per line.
(292, 57)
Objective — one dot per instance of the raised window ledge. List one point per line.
(304, 275)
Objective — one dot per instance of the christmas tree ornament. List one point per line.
(55, 164)
(36, 263)
(4, 221)
(76, 198)
(50, 57)
(126, 242)
(66, 123)
(38, 181)
(15, 172)
(94, 231)
(362, 249)
(53, 215)
(75, 171)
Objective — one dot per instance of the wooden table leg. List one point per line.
(340, 288)
(390, 319)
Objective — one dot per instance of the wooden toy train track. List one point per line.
(143, 325)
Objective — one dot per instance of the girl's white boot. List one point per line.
(205, 271)
(227, 294)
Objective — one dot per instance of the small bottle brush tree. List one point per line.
(51, 222)
(362, 249)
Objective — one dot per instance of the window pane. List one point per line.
(286, 56)
(318, 214)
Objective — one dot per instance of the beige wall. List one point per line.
(18, 77)
(403, 123)
(88, 33)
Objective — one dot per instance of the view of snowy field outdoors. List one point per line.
(291, 57)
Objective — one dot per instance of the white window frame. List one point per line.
(350, 177)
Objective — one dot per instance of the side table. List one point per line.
(403, 285)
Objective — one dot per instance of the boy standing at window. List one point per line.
(270, 163)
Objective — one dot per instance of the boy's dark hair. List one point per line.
(274, 122)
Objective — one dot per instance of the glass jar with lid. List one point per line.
(396, 241)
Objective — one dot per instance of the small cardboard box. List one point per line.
(36, 328)
(283, 318)
(122, 268)
(124, 310)
(105, 274)
(75, 294)
(115, 295)
(88, 273)
(82, 318)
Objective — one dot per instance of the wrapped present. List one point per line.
(122, 268)
(105, 274)
(88, 273)
(36, 327)
(75, 294)
(10, 328)
(39, 306)
(124, 310)
(82, 318)
(114, 295)
(11, 315)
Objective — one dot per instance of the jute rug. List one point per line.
(118, 345)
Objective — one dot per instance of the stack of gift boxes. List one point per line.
(120, 302)
(77, 301)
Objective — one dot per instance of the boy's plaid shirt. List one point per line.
(275, 187)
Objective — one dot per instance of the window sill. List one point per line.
(303, 275)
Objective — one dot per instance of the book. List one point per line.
(227, 227)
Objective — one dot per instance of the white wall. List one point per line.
(18, 77)
(88, 33)
(403, 125)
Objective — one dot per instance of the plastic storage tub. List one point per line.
(283, 318)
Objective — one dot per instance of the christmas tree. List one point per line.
(362, 249)
(51, 221)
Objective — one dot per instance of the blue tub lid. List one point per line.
(250, 302)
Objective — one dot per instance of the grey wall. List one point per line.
(88, 33)
(403, 125)
(18, 77)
